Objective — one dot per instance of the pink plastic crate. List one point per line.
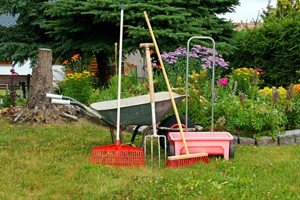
(213, 143)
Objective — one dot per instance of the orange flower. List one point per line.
(127, 69)
(75, 56)
(132, 65)
(297, 87)
(65, 62)
(151, 52)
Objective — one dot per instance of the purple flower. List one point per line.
(202, 54)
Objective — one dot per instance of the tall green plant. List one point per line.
(272, 47)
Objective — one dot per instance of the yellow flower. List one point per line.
(179, 79)
(194, 76)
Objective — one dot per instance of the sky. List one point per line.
(248, 10)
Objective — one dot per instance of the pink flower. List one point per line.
(223, 82)
(260, 71)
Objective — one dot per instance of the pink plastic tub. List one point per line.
(213, 143)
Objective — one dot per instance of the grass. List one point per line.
(52, 162)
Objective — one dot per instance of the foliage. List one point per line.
(174, 21)
(267, 112)
(130, 86)
(272, 47)
(78, 86)
(20, 43)
(243, 116)
(92, 27)
(267, 92)
(5, 101)
(63, 170)
(77, 63)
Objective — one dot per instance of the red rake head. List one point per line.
(186, 161)
(117, 155)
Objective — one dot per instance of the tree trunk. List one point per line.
(102, 69)
(39, 107)
(41, 80)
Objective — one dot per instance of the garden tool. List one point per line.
(182, 160)
(152, 102)
(118, 154)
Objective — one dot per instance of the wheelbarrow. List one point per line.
(134, 111)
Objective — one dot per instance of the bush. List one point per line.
(272, 47)
(130, 86)
(77, 86)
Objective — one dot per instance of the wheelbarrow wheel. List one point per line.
(171, 122)
(231, 150)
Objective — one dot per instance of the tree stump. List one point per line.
(39, 108)
(41, 80)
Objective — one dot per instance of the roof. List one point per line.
(21, 70)
(242, 26)
(8, 20)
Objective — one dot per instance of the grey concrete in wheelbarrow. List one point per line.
(289, 137)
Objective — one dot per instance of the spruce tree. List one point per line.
(92, 26)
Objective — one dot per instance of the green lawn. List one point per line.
(52, 162)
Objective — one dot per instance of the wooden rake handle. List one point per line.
(167, 82)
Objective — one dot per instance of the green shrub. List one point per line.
(243, 116)
(272, 47)
(130, 86)
(78, 86)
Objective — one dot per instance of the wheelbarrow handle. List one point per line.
(61, 101)
(64, 100)
(54, 96)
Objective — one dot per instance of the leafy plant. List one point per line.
(130, 86)
(277, 53)
(248, 117)
(78, 86)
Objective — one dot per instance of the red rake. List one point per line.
(117, 155)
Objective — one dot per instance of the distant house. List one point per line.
(242, 26)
